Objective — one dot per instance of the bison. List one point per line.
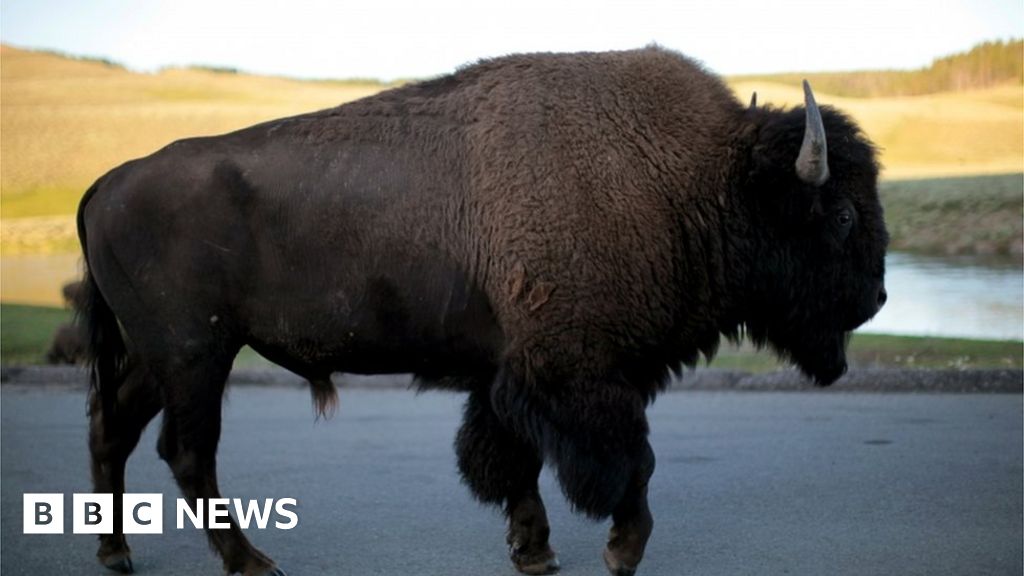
(553, 234)
(67, 345)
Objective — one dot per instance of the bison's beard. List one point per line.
(820, 354)
(823, 359)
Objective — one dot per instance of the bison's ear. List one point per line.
(812, 162)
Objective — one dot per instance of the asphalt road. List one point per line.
(747, 483)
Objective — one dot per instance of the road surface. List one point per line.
(746, 483)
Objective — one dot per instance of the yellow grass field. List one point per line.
(948, 134)
(64, 122)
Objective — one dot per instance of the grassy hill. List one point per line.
(978, 131)
(66, 121)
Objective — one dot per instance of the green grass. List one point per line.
(975, 215)
(868, 350)
(248, 358)
(25, 333)
(887, 351)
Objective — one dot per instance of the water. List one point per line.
(968, 297)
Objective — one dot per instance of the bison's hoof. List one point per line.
(616, 566)
(536, 564)
(119, 563)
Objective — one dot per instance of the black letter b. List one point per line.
(43, 509)
(92, 514)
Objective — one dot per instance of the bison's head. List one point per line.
(818, 237)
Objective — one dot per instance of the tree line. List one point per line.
(987, 64)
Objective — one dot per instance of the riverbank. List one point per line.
(981, 215)
(27, 331)
(874, 351)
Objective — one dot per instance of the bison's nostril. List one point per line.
(882, 297)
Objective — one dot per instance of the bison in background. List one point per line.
(68, 345)
(551, 233)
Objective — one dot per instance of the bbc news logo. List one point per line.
(144, 513)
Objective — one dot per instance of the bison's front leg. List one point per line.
(632, 522)
(502, 469)
(528, 533)
(594, 431)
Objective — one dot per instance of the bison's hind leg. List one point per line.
(192, 380)
(112, 438)
(502, 469)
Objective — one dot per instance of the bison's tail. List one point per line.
(105, 349)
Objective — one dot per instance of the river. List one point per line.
(965, 296)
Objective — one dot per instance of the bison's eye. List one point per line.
(844, 218)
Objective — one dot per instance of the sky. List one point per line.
(388, 39)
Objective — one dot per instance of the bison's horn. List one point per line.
(753, 100)
(812, 163)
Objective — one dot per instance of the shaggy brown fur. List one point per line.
(551, 232)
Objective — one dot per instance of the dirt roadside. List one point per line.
(898, 380)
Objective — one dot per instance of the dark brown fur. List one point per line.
(552, 233)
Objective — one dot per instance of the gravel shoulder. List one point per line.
(898, 380)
